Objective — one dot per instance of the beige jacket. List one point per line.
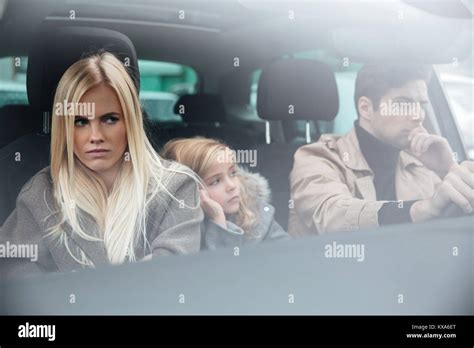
(332, 186)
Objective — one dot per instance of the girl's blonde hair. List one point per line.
(200, 154)
(121, 214)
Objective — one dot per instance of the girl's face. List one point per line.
(223, 186)
(100, 142)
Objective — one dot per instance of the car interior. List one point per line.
(250, 61)
(230, 70)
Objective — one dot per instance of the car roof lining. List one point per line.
(215, 33)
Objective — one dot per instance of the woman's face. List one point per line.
(223, 186)
(100, 142)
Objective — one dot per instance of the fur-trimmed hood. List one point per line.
(266, 228)
(256, 186)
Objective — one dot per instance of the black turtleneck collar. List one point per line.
(382, 159)
(379, 155)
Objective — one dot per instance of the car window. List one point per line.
(457, 79)
(161, 85)
(345, 72)
(13, 80)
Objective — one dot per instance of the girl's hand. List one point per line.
(212, 209)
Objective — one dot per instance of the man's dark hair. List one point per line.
(375, 80)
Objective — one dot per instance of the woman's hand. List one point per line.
(212, 209)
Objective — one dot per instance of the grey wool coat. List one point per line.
(265, 229)
(171, 229)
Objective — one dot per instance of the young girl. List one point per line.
(235, 202)
(107, 197)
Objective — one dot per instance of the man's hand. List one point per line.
(457, 188)
(432, 150)
(212, 209)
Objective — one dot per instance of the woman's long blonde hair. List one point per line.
(121, 214)
(200, 154)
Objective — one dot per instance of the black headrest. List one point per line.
(56, 49)
(16, 121)
(200, 108)
(305, 87)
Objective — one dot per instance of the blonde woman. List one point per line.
(107, 197)
(235, 202)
